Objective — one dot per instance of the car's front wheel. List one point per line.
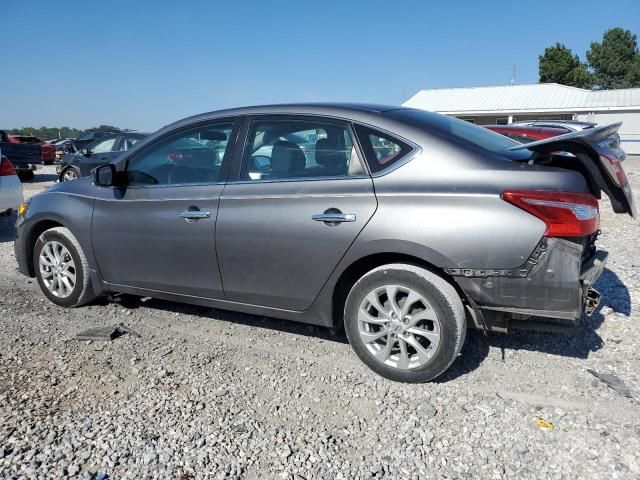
(69, 174)
(61, 268)
(405, 323)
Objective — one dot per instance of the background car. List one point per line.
(25, 156)
(407, 226)
(10, 186)
(80, 164)
(63, 147)
(88, 138)
(526, 133)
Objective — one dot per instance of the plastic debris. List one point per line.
(612, 381)
(99, 334)
(123, 328)
(543, 424)
(106, 334)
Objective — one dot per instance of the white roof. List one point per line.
(539, 97)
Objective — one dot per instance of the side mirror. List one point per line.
(104, 175)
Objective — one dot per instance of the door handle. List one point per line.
(334, 217)
(194, 214)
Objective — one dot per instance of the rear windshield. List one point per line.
(461, 131)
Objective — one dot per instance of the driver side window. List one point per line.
(188, 157)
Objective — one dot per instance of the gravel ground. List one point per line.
(208, 393)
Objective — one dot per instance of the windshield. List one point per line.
(462, 131)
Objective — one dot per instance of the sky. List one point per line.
(142, 64)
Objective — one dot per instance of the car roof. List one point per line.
(349, 110)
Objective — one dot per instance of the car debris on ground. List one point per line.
(612, 381)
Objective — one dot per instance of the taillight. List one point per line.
(566, 214)
(6, 167)
(614, 169)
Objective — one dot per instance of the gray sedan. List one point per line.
(404, 227)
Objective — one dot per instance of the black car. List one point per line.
(87, 138)
(80, 164)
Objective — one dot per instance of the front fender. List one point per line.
(52, 208)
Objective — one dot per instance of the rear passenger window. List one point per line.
(381, 150)
(299, 149)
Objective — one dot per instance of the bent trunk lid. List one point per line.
(598, 150)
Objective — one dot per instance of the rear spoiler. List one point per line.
(598, 153)
(588, 136)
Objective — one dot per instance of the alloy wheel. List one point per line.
(69, 174)
(399, 327)
(57, 269)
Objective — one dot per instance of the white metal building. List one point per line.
(542, 101)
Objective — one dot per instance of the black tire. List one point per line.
(25, 175)
(442, 297)
(82, 292)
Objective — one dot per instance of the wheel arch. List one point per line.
(361, 266)
(32, 237)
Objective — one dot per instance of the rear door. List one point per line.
(596, 151)
(298, 199)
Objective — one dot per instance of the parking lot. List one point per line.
(205, 393)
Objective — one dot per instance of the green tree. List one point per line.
(50, 133)
(558, 64)
(616, 60)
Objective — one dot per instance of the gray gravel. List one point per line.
(208, 393)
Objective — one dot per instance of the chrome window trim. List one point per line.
(297, 179)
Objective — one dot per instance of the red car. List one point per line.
(526, 133)
(47, 150)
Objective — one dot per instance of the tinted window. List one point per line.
(465, 131)
(381, 150)
(459, 131)
(104, 146)
(289, 149)
(191, 156)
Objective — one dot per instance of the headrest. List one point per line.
(329, 154)
(287, 157)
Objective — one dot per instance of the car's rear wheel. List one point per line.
(69, 174)
(405, 323)
(61, 268)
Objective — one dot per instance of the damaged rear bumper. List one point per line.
(556, 282)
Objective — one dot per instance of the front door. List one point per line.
(298, 202)
(157, 233)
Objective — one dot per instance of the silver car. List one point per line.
(405, 228)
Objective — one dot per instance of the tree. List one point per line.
(558, 64)
(50, 133)
(616, 60)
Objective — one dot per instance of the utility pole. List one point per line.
(513, 74)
